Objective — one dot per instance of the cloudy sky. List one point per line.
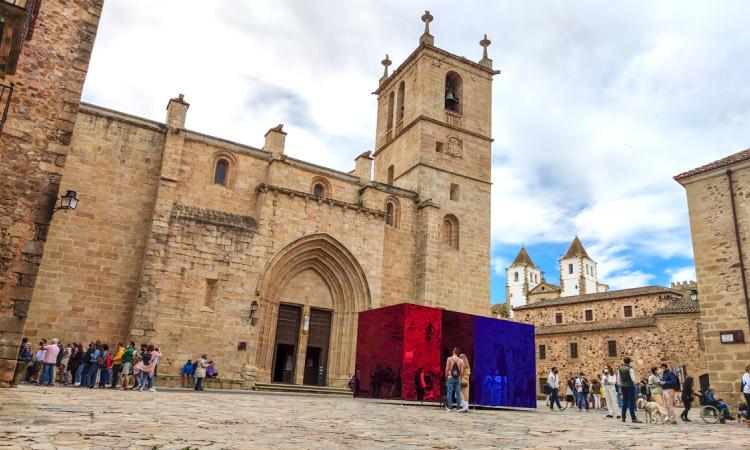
(598, 106)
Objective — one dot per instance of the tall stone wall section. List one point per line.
(33, 150)
(717, 266)
(90, 274)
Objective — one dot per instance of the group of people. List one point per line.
(613, 390)
(96, 364)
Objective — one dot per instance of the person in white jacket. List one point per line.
(554, 389)
(609, 382)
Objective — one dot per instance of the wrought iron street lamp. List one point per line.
(253, 310)
(67, 202)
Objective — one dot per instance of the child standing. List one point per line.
(187, 372)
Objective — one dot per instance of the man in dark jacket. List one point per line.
(669, 384)
(25, 356)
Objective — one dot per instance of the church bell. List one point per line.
(451, 100)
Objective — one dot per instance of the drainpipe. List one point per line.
(739, 244)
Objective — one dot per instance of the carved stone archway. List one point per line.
(349, 291)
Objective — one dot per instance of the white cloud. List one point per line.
(633, 279)
(499, 265)
(681, 274)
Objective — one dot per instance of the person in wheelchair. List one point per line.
(709, 398)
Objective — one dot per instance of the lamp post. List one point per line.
(67, 202)
(253, 310)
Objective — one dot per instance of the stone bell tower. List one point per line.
(434, 137)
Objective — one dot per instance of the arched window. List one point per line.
(450, 231)
(400, 102)
(570, 268)
(221, 172)
(390, 110)
(319, 190)
(515, 276)
(454, 91)
(391, 212)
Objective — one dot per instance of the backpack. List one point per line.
(455, 371)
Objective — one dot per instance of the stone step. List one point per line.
(302, 389)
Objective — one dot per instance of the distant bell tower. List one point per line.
(578, 272)
(433, 137)
(521, 277)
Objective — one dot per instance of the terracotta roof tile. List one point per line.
(723, 162)
(685, 305)
(576, 249)
(615, 324)
(619, 293)
(523, 258)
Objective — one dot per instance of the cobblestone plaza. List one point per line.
(45, 418)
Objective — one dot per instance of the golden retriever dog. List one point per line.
(652, 410)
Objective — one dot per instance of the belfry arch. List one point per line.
(348, 290)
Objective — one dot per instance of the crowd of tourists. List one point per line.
(617, 392)
(96, 365)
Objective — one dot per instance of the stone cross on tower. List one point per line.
(485, 61)
(386, 62)
(426, 37)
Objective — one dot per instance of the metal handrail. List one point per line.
(6, 93)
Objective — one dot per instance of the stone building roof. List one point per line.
(608, 295)
(545, 286)
(719, 163)
(576, 249)
(685, 305)
(523, 258)
(614, 324)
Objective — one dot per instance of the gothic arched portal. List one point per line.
(348, 289)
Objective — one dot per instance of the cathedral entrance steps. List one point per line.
(301, 389)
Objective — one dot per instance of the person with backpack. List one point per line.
(453, 371)
(25, 355)
(127, 360)
(582, 392)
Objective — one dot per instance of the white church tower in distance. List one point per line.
(521, 277)
(578, 272)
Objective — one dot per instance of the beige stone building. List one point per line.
(720, 225)
(198, 244)
(45, 47)
(587, 332)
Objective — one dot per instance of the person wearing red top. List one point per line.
(454, 368)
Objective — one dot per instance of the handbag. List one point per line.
(463, 385)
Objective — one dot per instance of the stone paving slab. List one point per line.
(45, 418)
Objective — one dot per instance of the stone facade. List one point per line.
(179, 234)
(585, 333)
(48, 70)
(719, 221)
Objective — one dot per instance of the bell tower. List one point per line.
(434, 137)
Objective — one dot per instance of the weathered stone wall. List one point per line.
(33, 150)
(672, 339)
(89, 277)
(717, 267)
(643, 306)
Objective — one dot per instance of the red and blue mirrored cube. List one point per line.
(402, 347)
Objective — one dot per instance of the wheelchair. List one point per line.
(708, 412)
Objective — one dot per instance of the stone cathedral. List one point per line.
(201, 245)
